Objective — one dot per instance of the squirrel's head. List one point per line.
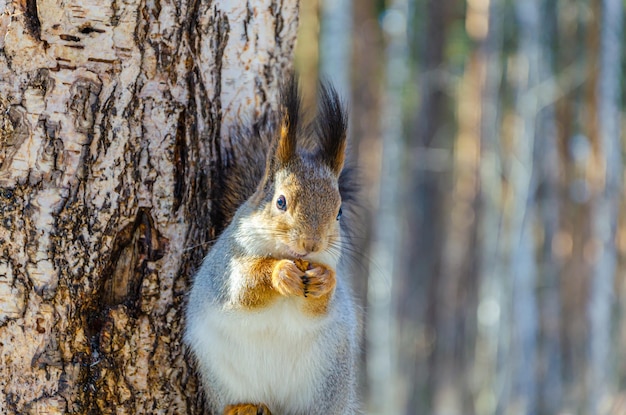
(298, 204)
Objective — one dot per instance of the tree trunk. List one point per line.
(114, 122)
(428, 166)
(491, 286)
(384, 385)
(605, 204)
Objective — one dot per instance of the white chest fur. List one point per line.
(274, 355)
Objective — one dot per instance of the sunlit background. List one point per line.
(488, 133)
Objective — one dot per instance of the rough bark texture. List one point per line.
(114, 121)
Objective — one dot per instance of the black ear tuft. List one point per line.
(331, 125)
(289, 114)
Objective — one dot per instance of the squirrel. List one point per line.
(270, 317)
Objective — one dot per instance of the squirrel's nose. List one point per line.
(311, 244)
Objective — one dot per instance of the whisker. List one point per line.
(362, 259)
(189, 248)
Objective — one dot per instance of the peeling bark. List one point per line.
(114, 121)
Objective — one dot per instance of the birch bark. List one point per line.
(114, 120)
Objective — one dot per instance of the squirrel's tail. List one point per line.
(352, 206)
(242, 167)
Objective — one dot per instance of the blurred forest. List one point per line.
(489, 137)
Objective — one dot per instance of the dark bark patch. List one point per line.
(180, 160)
(279, 24)
(83, 103)
(218, 155)
(50, 355)
(42, 80)
(69, 38)
(87, 29)
(14, 129)
(134, 246)
(247, 21)
(32, 19)
(53, 150)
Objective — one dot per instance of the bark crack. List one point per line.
(32, 19)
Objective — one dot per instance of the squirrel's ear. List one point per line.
(289, 113)
(331, 126)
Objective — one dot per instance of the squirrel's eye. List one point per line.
(281, 203)
(339, 214)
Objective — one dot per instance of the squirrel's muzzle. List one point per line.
(311, 245)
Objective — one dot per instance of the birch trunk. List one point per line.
(114, 124)
(606, 177)
(491, 293)
(519, 239)
(383, 384)
(549, 205)
(422, 201)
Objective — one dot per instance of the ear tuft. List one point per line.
(331, 125)
(289, 114)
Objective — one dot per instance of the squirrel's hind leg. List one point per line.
(247, 409)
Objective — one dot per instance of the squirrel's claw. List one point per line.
(320, 281)
(315, 281)
(287, 278)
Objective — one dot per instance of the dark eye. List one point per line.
(281, 203)
(339, 214)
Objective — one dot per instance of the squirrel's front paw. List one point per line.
(246, 409)
(319, 280)
(287, 278)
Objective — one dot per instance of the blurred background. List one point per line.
(489, 136)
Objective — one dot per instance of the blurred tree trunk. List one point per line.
(336, 43)
(490, 303)
(384, 384)
(307, 51)
(510, 286)
(605, 175)
(456, 285)
(365, 107)
(428, 146)
(114, 124)
(520, 216)
(548, 171)
(571, 52)
(365, 131)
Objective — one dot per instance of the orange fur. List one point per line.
(286, 141)
(287, 278)
(302, 264)
(247, 409)
(269, 277)
(259, 292)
